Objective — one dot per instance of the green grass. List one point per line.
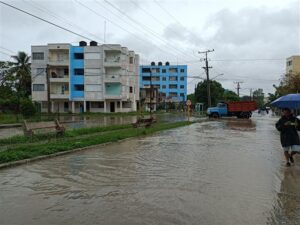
(31, 150)
(21, 139)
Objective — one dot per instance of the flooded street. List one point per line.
(226, 171)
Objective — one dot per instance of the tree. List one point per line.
(216, 91)
(20, 70)
(258, 96)
(290, 83)
(230, 96)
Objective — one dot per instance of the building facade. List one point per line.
(85, 78)
(293, 64)
(170, 80)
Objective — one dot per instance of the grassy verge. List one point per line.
(28, 150)
(21, 139)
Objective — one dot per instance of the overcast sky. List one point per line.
(251, 38)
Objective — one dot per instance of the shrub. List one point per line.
(27, 108)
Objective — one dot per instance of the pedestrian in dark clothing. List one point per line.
(288, 125)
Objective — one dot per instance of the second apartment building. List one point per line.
(170, 80)
(85, 78)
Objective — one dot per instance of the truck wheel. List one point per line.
(215, 115)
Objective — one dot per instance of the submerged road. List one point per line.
(227, 171)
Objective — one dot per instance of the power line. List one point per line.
(143, 28)
(237, 60)
(4, 53)
(153, 17)
(44, 20)
(42, 9)
(167, 12)
(7, 49)
(49, 22)
(116, 24)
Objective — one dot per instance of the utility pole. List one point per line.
(151, 92)
(48, 88)
(207, 75)
(238, 87)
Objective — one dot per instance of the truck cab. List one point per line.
(218, 111)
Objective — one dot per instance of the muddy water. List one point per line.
(74, 122)
(215, 172)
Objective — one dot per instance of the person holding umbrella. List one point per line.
(288, 125)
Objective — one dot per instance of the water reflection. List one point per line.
(240, 124)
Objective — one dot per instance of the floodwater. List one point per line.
(75, 122)
(226, 171)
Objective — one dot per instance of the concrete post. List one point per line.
(52, 106)
(84, 106)
(121, 107)
(73, 107)
(104, 106)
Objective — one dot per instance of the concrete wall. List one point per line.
(38, 73)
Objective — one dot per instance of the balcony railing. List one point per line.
(59, 95)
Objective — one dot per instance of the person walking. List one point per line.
(288, 125)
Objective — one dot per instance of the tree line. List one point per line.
(15, 85)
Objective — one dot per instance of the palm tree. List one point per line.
(21, 71)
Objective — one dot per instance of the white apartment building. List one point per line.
(85, 78)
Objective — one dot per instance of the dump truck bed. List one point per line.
(243, 106)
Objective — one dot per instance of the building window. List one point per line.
(156, 78)
(38, 87)
(173, 78)
(173, 86)
(173, 70)
(182, 78)
(181, 86)
(146, 78)
(163, 71)
(155, 70)
(40, 71)
(38, 55)
(181, 70)
(164, 86)
(289, 63)
(79, 87)
(79, 72)
(130, 60)
(78, 56)
(146, 70)
(130, 89)
(182, 95)
(97, 104)
(173, 94)
(164, 78)
(66, 71)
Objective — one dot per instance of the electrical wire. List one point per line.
(144, 27)
(42, 9)
(46, 21)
